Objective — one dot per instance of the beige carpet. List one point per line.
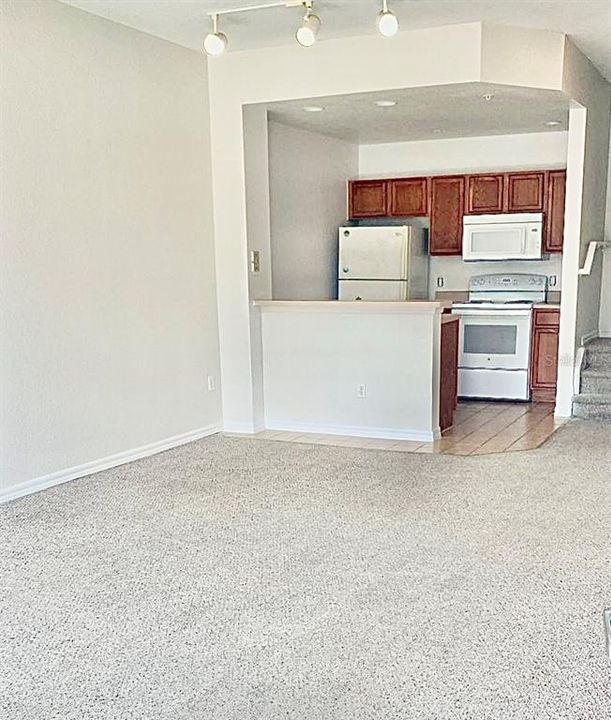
(241, 579)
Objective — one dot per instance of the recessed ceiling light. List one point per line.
(553, 123)
(313, 108)
(385, 103)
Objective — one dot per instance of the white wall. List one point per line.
(307, 179)
(456, 273)
(605, 295)
(435, 56)
(464, 155)
(314, 358)
(108, 310)
(360, 64)
(587, 159)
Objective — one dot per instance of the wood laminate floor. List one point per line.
(479, 428)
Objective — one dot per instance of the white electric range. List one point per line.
(495, 332)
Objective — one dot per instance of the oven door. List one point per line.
(495, 340)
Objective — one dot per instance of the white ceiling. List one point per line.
(429, 113)
(185, 22)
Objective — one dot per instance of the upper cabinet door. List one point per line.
(408, 197)
(554, 211)
(368, 198)
(525, 192)
(485, 194)
(447, 206)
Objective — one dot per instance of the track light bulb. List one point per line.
(308, 30)
(215, 42)
(388, 25)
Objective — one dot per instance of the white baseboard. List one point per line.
(589, 336)
(356, 431)
(579, 359)
(89, 468)
(243, 428)
(604, 333)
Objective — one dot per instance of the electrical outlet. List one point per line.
(255, 261)
(361, 391)
(440, 282)
(211, 385)
(553, 280)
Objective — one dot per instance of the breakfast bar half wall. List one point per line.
(370, 369)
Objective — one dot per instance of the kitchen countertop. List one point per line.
(415, 307)
(549, 306)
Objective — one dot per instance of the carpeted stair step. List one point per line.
(599, 353)
(596, 381)
(592, 406)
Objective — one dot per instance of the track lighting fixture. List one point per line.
(215, 42)
(308, 30)
(388, 25)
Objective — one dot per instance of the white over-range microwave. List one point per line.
(516, 236)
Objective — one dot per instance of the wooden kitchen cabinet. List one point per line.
(409, 197)
(544, 354)
(368, 198)
(446, 198)
(448, 378)
(485, 193)
(446, 214)
(554, 211)
(525, 192)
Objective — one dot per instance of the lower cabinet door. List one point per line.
(544, 359)
(448, 381)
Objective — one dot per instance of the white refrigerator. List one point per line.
(383, 263)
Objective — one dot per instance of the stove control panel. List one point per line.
(514, 282)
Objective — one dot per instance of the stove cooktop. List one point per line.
(484, 305)
(497, 302)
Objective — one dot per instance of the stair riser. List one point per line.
(597, 385)
(592, 411)
(598, 358)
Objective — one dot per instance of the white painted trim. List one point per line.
(592, 335)
(571, 259)
(243, 428)
(89, 468)
(604, 333)
(579, 358)
(423, 307)
(357, 431)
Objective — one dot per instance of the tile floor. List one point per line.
(480, 428)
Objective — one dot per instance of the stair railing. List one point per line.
(593, 246)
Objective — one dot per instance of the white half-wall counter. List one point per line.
(368, 369)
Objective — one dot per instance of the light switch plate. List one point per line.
(607, 617)
(255, 261)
